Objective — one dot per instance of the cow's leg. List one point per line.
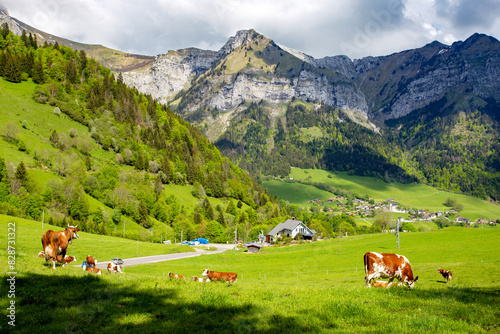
(369, 278)
(389, 282)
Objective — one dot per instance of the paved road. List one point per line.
(167, 257)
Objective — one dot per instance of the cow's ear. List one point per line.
(416, 279)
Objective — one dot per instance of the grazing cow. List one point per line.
(55, 243)
(66, 261)
(172, 275)
(91, 261)
(446, 274)
(219, 276)
(383, 284)
(196, 279)
(391, 266)
(114, 268)
(92, 270)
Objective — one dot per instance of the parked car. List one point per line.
(168, 242)
(117, 261)
(202, 241)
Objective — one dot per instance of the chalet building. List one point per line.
(290, 228)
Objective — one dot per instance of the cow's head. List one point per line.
(205, 272)
(73, 230)
(410, 282)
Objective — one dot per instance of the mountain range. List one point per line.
(423, 115)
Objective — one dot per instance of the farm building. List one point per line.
(290, 228)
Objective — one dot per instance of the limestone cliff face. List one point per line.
(250, 67)
(170, 73)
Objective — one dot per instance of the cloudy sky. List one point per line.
(319, 28)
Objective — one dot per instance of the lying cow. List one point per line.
(196, 279)
(446, 274)
(175, 276)
(219, 276)
(383, 284)
(91, 261)
(92, 270)
(391, 266)
(114, 268)
(67, 259)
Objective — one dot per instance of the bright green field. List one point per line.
(294, 289)
(418, 196)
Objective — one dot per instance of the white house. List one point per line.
(290, 228)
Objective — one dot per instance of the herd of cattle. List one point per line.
(377, 265)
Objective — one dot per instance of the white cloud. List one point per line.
(317, 27)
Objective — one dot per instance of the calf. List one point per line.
(172, 275)
(391, 266)
(196, 279)
(67, 259)
(92, 270)
(383, 284)
(220, 276)
(114, 268)
(446, 274)
(41, 254)
(91, 261)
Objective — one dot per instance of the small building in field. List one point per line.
(254, 247)
(290, 228)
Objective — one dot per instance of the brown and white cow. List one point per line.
(41, 254)
(92, 270)
(91, 261)
(196, 279)
(391, 266)
(67, 259)
(175, 276)
(220, 276)
(446, 274)
(114, 268)
(55, 243)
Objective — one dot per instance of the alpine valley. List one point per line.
(429, 115)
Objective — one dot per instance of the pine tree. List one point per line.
(21, 173)
(5, 29)
(12, 69)
(38, 72)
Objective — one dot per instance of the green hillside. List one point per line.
(296, 289)
(77, 146)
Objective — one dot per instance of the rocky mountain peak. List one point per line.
(241, 37)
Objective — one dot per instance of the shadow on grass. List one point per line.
(479, 295)
(82, 304)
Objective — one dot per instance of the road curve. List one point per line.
(167, 257)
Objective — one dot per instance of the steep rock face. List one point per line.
(250, 67)
(171, 72)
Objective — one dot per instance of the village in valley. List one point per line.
(367, 208)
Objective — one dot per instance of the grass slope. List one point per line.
(411, 195)
(303, 288)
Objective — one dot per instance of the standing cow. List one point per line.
(391, 266)
(446, 274)
(56, 243)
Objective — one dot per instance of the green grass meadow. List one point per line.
(411, 195)
(302, 288)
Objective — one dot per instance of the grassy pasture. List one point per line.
(412, 195)
(303, 288)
